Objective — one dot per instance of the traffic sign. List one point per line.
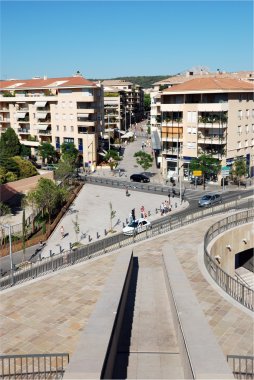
(197, 173)
(225, 171)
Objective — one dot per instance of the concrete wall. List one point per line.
(8, 190)
(202, 357)
(94, 357)
(239, 239)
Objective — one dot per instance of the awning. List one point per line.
(128, 135)
(20, 115)
(40, 104)
(155, 138)
(29, 143)
(42, 127)
(41, 115)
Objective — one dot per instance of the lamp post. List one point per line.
(125, 119)
(108, 134)
(10, 251)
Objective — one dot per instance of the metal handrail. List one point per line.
(240, 292)
(242, 366)
(42, 366)
(111, 243)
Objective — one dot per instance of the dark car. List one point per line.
(196, 181)
(139, 178)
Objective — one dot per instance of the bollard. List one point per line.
(105, 231)
(126, 221)
(70, 247)
(97, 234)
(89, 238)
(123, 224)
(149, 213)
(50, 253)
(156, 211)
(175, 205)
(60, 248)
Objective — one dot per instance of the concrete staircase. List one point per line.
(247, 276)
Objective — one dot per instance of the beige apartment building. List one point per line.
(131, 103)
(211, 115)
(55, 110)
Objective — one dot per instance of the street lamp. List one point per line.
(125, 119)
(10, 250)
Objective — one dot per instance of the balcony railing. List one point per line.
(212, 139)
(23, 130)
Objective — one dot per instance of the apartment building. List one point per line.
(211, 115)
(55, 110)
(132, 102)
(158, 87)
(114, 106)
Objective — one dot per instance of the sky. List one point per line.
(107, 39)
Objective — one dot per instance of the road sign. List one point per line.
(197, 173)
(225, 171)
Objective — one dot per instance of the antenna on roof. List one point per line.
(78, 74)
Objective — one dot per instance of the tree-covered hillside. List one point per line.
(143, 81)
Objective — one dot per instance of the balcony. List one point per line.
(24, 131)
(211, 139)
(171, 151)
(5, 120)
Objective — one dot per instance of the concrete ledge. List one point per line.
(201, 354)
(95, 354)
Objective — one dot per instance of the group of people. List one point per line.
(165, 207)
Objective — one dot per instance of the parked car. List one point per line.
(209, 200)
(197, 180)
(136, 227)
(139, 178)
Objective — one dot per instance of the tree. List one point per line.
(9, 144)
(25, 151)
(47, 152)
(69, 152)
(48, 196)
(112, 158)
(76, 227)
(26, 168)
(112, 215)
(64, 169)
(145, 160)
(207, 164)
(4, 209)
(239, 169)
(147, 102)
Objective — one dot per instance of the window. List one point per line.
(72, 128)
(68, 140)
(239, 129)
(57, 127)
(240, 97)
(252, 114)
(246, 143)
(239, 144)
(64, 128)
(246, 129)
(56, 116)
(240, 114)
(252, 128)
(63, 104)
(189, 130)
(63, 116)
(247, 114)
(192, 117)
(252, 142)
(194, 131)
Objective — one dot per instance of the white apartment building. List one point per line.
(212, 115)
(132, 102)
(55, 110)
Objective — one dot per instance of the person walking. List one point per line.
(62, 231)
(127, 191)
(169, 197)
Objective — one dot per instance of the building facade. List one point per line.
(212, 115)
(131, 103)
(54, 110)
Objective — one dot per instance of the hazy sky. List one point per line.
(105, 39)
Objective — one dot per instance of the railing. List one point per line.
(111, 243)
(34, 366)
(241, 293)
(242, 366)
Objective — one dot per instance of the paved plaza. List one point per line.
(48, 314)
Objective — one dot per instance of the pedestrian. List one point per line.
(169, 197)
(162, 208)
(62, 231)
(127, 191)
(142, 210)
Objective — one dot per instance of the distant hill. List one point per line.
(143, 81)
